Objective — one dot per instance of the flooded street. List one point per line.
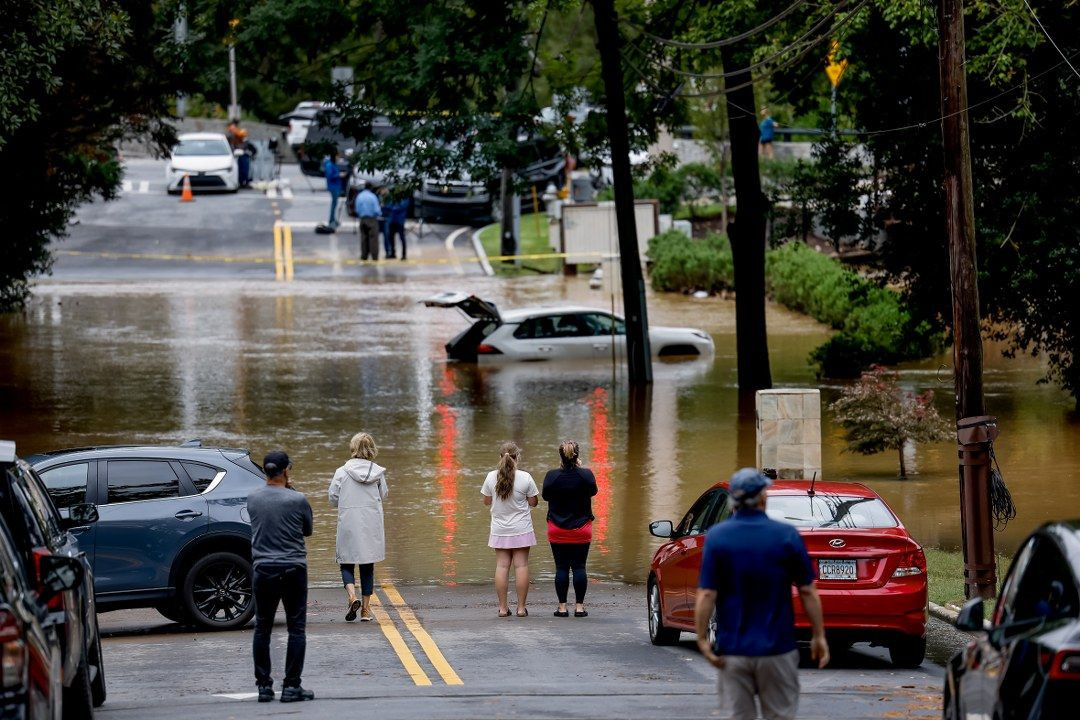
(303, 367)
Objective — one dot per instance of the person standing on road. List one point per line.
(748, 566)
(357, 491)
(368, 210)
(568, 491)
(332, 173)
(510, 493)
(396, 210)
(280, 520)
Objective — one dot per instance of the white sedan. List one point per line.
(547, 333)
(206, 159)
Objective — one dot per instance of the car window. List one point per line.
(67, 483)
(40, 503)
(721, 510)
(21, 519)
(601, 324)
(536, 328)
(567, 326)
(693, 522)
(13, 577)
(202, 148)
(131, 480)
(201, 475)
(826, 510)
(1012, 582)
(1043, 587)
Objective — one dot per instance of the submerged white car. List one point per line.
(555, 332)
(206, 159)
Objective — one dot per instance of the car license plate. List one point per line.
(837, 570)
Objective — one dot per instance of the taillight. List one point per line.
(56, 602)
(911, 564)
(1065, 665)
(12, 652)
(485, 349)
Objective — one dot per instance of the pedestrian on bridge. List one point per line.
(748, 567)
(280, 520)
(357, 491)
(368, 210)
(511, 493)
(568, 491)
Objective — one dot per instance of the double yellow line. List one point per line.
(283, 256)
(397, 642)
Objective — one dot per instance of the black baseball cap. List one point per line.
(276, 462)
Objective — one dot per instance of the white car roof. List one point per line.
(7, 451)
(201, 136)
(519, 314)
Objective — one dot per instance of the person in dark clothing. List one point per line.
(280, 520)
(395, 211)
(568, 491)
(332, 173)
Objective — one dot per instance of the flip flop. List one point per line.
(353, 607)
(523, 613)
(502, 615)
(562, 613)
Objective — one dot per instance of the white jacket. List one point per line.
(357, 491)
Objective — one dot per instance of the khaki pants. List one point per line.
(369, 238)
(774, 679)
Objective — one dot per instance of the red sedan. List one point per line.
(871, 573)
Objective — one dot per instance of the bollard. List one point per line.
(288, 253)
(279, 267)
(974, 435)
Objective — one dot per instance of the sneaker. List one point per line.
(351, 614)
(366, 615)
(266, 693)
(296, 694)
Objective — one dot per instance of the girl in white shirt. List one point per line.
(511, 493)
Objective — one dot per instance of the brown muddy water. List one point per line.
(305, 366)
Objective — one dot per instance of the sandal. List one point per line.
(502, 614)
(524, 612)
(353, 607)
(562, 613)
(581, 613)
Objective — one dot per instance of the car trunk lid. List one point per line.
(859, 559)
(471, 305)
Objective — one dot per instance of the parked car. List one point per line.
(871, 573)
(299, 120)
(30, 686)
(548, 333)
(1027, 665)
(173, 531)
(40, 534)
(206, 159)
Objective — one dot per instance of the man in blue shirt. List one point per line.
(368, 210)
(748, 567)
(332, 173)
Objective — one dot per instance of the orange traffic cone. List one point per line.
(186, 195)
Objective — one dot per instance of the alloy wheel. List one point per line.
(654, 610)
(222, 591)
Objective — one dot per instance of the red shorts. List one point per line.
(577, 536)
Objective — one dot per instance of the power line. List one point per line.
(1039, 23)
(711, 45)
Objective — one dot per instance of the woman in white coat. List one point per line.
(357, 491)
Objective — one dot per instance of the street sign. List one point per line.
(835, 70)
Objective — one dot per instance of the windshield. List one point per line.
(830, 511)
(201, 147)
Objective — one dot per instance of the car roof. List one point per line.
(519, 314)
(98, 452)
(821, 487)
(7, 451)
(201, 136)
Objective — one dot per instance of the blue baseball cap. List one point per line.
(746, 483)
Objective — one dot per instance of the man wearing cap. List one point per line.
(280, 520)
(748, 567)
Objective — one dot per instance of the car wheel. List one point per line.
(97, 684)
(907, 651)
(78, 701)
(659, 634)
(174, 611)
(217, 592)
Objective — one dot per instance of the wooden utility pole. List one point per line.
(638, 353)
(975, 431)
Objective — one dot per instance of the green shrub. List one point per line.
(683, 264)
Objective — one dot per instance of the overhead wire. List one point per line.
(713, 44)
(1039, 23)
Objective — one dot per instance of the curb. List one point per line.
(481, 254)
(947, 614)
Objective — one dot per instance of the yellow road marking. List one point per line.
(408, 660)
(432, 650)
(265, 260)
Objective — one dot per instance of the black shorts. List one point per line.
(766, 142)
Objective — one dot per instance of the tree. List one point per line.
(75, 77)
(877, 415)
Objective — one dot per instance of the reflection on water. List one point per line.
(305, 367)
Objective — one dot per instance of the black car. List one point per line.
(40, 535)
(173, 531)
(1027, 665)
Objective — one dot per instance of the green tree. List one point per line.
(878, 415)
(75, 77)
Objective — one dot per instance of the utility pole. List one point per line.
(638, 353)
(234, 106)
(180, 32)
(975, 430)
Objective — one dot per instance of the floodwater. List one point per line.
(305, 366)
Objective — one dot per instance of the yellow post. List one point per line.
(279, 267)
(288, 253)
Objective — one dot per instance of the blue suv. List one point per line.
(173, 531)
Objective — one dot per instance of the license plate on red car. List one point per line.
(836, 569)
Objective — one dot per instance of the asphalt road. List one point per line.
(440, 652)
(147, 233)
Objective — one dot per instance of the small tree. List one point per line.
(879, 415)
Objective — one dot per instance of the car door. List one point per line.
(682, 566)
(148, 510)
(68, 485)
(534, 338)
(719, 509)
(608, 335)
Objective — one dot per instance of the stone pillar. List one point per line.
(789, 432)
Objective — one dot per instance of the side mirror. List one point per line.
(971, 616)
(80, 514)
(662, 528)
(58, 573)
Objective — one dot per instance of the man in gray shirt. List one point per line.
(280, 520)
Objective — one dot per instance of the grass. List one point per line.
(534, 240)
(945, 574)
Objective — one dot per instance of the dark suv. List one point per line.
(173, 531)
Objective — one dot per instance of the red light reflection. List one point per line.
(447, 477)
(600, 440)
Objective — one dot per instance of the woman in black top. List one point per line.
(568, 491)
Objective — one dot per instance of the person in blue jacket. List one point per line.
(395, 211)
(332, 173)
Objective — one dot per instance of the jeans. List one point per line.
(367, 577)
(286, 584)
(570, 556)
(335, 195)
(392, 229)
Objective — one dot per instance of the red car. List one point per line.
(871, 573)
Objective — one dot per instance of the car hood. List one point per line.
(201, 163)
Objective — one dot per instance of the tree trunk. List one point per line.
(903, 467)
(747, 233)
